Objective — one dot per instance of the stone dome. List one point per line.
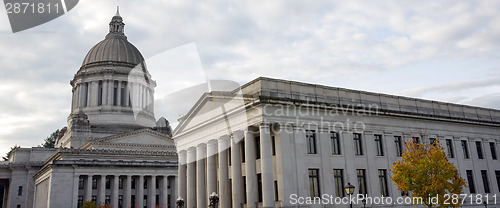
(114, 49)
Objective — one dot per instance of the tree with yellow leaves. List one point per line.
(425, 172)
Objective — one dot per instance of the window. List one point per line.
(273, 145)
(120, 183)
(80, 202)
(479, 150)
(99, 94)
(80, 183)
(115, 93)
(449, 147)
(338, 177)
(259, 186)
(470, 180)
(229, 156)
(18, 206)
(497, 174)
(94, 183)
(132, 185)
(20, 191)
(94, 198)
(132, 201)
(378, 144)
(314, 182)
(416, 140)
(486, 183)
(257, 147)
(399, 146)
(145, 183)
(107, 200)
(334, 136)
(493, 151)
(244, 189)
(120, 201)
(361, 173)
(145, 201)
(358, 149)
(465, 149)
(382, 177)
(276, 196)
(433, 141)
(311, 142)
(108, 183)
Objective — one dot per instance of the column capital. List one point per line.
(224, 142)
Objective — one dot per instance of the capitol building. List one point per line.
(112, 150)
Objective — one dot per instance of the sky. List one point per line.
(439, 50)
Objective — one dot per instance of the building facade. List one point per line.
(112, 151)
(278, 143)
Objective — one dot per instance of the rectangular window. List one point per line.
(257, 147)
(416, 140)
(94, 198)
(399, 146)
(108, 183)
(120, 201)
(449, 147)
(486, 183)
(470, 180)
(18, 206)
(497, 174)
(361, 174)
(382, 177)
(479, 150)
(120, 183)
(433, 141)
(94, 183)
(80, 183)
(132, 185)
(338, 177)
(311, 141)
(107, 200)
(99, 94)
(244, 178)
(379, 145)
(276, 196)
(358, 149)
(80, 202)
(115, 93)
(229, 156)
(145, 183)
(493, 151)
(145, 201)
(273, 145)
(259, 186)
(20, 191)
(132, 201)
(465, 149)
(334, 136)
(314, 182)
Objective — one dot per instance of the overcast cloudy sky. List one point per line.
(439, 50)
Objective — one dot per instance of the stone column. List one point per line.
(224, 196)
(102, 190)
(182, 174)
(127, 192)
(114, 191)
(119, 94)
(211, 167)
(152, 191)
(191, 177)
(201, 196)
(250, 170)
(111, 86)
(266, 163)
(127, 94)
(173, 185)
(139, 197)
(164, 192)
(76, 180)
(104, 92)
(88, 189)
(236, 169)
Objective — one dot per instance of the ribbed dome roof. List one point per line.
(115, 48)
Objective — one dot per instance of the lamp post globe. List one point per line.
(213, 199)
(180, 202)
(349, 190)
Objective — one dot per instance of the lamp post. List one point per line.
(485, 204)
(364, 203)
(214, 199)
(349, 190)
(180, 202)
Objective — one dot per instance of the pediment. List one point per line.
(139, 138)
